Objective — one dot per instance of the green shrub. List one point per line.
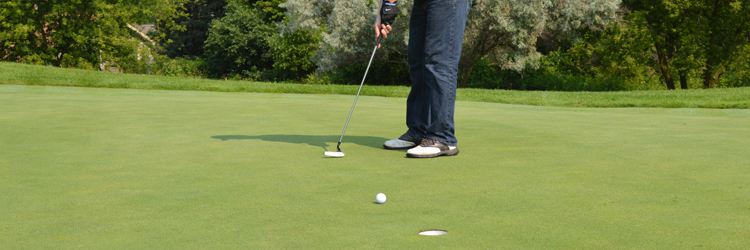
(237, 44)
(487, 75)
(738, 73)
(292, 53)
(189, 34)
(185, 67)
(380, 73)
(140, 61)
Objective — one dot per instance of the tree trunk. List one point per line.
(683, 79)
(664, 66)
(482, 43)
(466, 73)
(711, 76)
(708, 80)
(469, 59)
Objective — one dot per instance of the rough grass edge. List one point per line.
(726, 98)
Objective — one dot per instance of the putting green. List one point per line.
(118, 168)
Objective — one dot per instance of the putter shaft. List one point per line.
(357, 97)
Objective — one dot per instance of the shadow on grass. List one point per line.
(322, 141)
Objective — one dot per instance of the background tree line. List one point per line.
(593, 45)
(86, 34)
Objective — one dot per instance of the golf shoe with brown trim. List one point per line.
(430, 148)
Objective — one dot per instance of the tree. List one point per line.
(78, 33)
(705, 35)
(271, 10)
(724, 26)
(616, 51)
(187, 37)
(237, 43)
(505, 30)
(665, 38)
(292, 53)
(672, 35)
(347, 31)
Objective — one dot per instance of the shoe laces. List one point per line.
(428, 142)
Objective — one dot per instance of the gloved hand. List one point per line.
(388, 12)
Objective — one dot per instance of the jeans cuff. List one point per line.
(443, 142)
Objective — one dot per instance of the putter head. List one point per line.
(335, 154)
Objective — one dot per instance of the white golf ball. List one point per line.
(380, 198)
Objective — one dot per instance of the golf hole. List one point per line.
(433, 232)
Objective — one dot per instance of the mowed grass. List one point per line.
(151, 169)
(22, 74)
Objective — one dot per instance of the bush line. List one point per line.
(723, 98)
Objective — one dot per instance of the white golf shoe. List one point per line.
(430, 148)
(406, 141)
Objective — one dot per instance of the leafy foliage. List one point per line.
(514, 44)
(666, 41)
(348, 38)
(488, 75)
(348, 33)
(292, 53)
(187, 38)
(617, 52)
(78, 33)
(723, 35)
(506, 31)
(503, 31)
(705, 36)
(271, 10)
(237, 43)
(738, 73)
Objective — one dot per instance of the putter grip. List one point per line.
(380, 38)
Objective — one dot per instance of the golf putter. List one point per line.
(338, 153)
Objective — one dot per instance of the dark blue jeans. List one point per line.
(436, 32)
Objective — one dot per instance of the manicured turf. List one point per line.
(151, 169)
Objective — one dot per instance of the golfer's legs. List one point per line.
(417, 112)
(445, 20)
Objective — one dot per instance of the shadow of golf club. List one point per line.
(322, 141)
